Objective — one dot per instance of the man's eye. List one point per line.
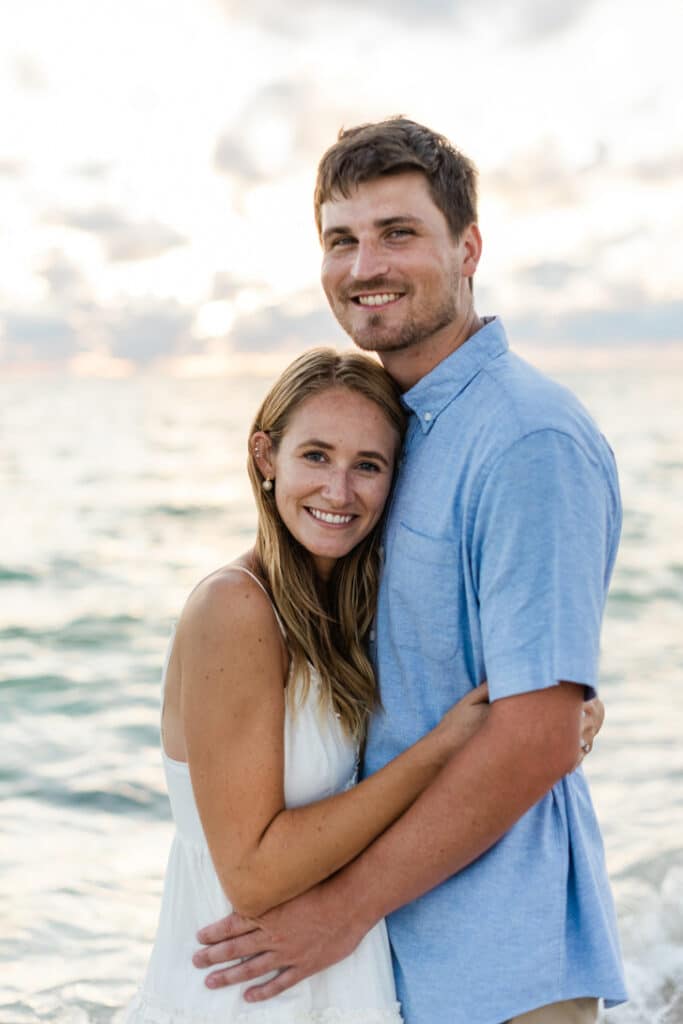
(343, 240)
(400, 232)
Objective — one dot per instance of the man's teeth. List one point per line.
(329, 517)
(378, 300)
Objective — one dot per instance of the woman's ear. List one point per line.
(264, 454)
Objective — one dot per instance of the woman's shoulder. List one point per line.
(231, 601)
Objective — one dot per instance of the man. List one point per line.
(499, 546)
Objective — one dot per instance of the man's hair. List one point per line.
(396, 145)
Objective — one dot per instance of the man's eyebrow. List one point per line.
(382, 222)
(314, 442)
(399, 218)
(338, 229)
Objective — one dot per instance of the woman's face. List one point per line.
(332, 472)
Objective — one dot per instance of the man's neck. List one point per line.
(409, 365)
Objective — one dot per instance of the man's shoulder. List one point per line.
(522, 400)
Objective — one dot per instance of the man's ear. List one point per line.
(263, 452)
(471, 249)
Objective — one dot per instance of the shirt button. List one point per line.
(428, 417)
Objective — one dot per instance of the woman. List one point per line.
(268, 689)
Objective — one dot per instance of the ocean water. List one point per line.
(117, 496)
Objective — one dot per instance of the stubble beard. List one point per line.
(416, 329)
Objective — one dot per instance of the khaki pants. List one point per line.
(574, 1011)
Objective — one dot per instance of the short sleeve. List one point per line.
(542, 544)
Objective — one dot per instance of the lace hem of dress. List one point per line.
(147, 1009)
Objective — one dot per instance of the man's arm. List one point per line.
(542, 542)
(528, 743)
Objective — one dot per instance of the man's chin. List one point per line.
(379, 341)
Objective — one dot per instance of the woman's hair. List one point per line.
(326, 623)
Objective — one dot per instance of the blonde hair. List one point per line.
(326, 623)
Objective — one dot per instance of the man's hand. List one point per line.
(297, 939)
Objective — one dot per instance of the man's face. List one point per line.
(392, 271)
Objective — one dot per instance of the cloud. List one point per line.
(663, 171)
(534, 20)
(93, 170)
(227, 286)
(548, 274)
(234, 158)
(284, 128)
(124, 240)
(144, 332)
(293, 19)
(286, 327)
(36, 337)
(64, 278)
(527, 20)
(541, 177)
(28, 74)
(656, 322)
(10, 168)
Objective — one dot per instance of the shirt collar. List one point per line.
(430, 396)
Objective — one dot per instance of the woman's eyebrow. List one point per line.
(315, 442)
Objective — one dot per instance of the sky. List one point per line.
(157, 162)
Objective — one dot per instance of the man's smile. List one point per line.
(377, 299)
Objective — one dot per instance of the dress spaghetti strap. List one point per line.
(242, 568)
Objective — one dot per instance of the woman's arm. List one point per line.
(232, 694)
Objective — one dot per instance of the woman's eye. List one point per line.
(314, 456)
(369, 467)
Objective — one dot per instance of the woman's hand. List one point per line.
(463, 719)
(470, 713)
(592, 717)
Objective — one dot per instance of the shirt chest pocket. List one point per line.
(424, 594)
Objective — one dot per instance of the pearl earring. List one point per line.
(267, 485)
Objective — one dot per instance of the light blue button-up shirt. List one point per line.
(499, 548)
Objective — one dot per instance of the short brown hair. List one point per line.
(370, 151)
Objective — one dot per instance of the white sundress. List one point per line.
(320, 760)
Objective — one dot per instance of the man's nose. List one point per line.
(370, 261)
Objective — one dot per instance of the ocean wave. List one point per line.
(186, 511)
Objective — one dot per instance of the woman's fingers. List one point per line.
(592, 717)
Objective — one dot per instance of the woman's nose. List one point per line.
(337, 487)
